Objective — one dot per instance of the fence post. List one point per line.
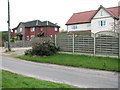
(94, 44)
(73, 43)
(119, 45)
(55, 41)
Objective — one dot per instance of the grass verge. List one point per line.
(12, 80)
(102, 63)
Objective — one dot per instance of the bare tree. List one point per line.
(116, 26)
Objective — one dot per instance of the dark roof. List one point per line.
(37, 23)
(85, 17)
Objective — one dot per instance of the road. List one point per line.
(80, 77)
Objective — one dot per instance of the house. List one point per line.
(36, 28)
(103, 19)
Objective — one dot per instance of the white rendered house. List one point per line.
(103, 19)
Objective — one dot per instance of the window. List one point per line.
(11, 30)
(101, 13)
(51, 35)
(102, 23)
(20, 29)
(15, 31)
(27, 37)
(74, 27)
(88, 25)
(32, 36)
(32, 29)
(41, 29)
(55, 28)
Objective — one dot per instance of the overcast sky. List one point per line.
(56, 11)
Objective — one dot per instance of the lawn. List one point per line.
(12, 80)
(102, 63)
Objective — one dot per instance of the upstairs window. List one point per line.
(88, 25)
(15, 31)
(102, 23)
(55, 28)
(41, 29)
(32, 29)
(101, 13)
(20, 29)
(74, 26)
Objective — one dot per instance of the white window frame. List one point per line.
(27, 37)
(41, 29)
(21, 29)
(55, 28)
(32, 36)
(51, 35)
(88, 25)
(102, 23)
(15, 31)
(101, 13)
(32, 29)
(74, 26)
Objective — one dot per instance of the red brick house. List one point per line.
(36, 28)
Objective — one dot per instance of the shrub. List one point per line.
(44, 48)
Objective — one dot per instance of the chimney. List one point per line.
(47, 23)
(36, 22)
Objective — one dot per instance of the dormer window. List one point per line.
(20, 29)
(101, 13)
(15, 31)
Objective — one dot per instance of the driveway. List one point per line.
(80, 77)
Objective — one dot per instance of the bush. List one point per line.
(44, 48)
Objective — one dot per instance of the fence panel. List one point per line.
(84, 44)
(107, 45)
(64, 41)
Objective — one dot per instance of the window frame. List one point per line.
(21, 29)
(74, 27)
(28, 38)
(55, 29)
(15, 31)
(32, 29)
(102, 23)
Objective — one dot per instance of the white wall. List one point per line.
(107, 17)
(96, 28)
(80, 27)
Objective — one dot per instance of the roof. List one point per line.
(85, 17)
(37, 23)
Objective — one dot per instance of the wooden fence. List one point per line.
(102, 43)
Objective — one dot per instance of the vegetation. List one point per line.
(43, 48)
(12, 80)
(103, 63)
(4, 36)
(13, 39)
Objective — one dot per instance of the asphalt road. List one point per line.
(83, 78)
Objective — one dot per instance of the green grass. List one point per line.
(111, 64)
(12, 80)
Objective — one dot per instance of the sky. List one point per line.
(55, 11)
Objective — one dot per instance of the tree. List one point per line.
(116, 27)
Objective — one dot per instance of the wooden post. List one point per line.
(55, 41)
(73, 43)
(94, 43)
